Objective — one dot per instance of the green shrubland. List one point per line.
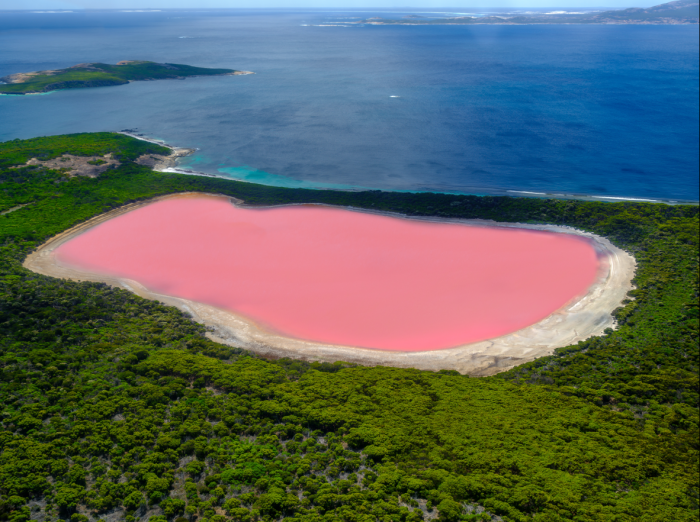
(119, 408)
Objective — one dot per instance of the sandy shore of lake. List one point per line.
(583, 317)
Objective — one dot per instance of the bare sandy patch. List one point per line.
(579, 319)
(91, 166)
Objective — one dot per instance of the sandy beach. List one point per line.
(583, 317)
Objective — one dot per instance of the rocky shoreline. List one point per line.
(158, 162)
(169, 163)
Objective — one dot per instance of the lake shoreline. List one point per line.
(583, 317)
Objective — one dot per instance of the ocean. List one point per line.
(604, 111)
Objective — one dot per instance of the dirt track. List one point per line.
(581, 318)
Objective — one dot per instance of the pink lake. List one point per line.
(342, 277)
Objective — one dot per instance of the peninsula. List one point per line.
(118, 407)
(85, 75)
(675, 13)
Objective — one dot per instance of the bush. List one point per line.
(449, 510)
(134, 500)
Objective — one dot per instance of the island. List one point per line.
(675, 13)
(85, 75)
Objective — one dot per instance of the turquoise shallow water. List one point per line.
(600, 110)
(245, 173)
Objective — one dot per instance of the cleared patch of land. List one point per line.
(583, 317)
(91, 166)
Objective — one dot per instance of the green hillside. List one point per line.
(100, 75)
(119, 408)
(677, 10)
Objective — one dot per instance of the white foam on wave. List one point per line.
(571, 195)
(626, 199)
(29, 93)
(176, 170)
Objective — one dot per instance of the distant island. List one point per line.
(102, 75)
(677, 12)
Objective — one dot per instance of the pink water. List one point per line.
(342, 277)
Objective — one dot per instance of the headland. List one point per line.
(678, 12)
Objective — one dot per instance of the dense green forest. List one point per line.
(119, 408)
(100, 75)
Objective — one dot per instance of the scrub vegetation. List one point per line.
(100, 75)
(119, 408)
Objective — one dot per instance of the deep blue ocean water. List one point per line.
(597, 110)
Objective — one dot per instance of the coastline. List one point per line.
(583, 317)
(170, 165)
(166, 163)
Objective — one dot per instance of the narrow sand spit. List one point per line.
(577, 320)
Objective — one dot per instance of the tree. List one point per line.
(134, 500)
(76, 475)
(172, 506)
(449, 510)
(68, 497)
